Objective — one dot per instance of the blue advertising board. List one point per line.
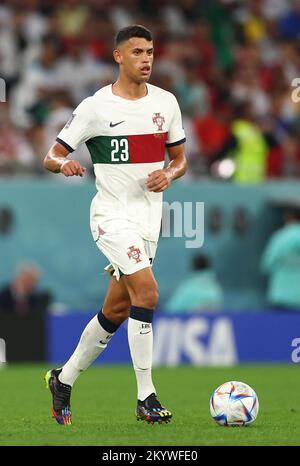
(197, 339)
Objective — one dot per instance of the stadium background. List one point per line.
(217, 57)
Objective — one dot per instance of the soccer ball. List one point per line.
(234, 404)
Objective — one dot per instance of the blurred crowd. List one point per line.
(22, 294)
(231, 64)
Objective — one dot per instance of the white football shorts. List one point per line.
(127, 252)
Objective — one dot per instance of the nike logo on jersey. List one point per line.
(144, 333)
(112, 125)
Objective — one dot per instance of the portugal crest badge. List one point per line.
(134, 253)
(158, 120)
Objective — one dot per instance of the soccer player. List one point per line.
(126, 127)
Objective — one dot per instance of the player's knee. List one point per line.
(147, 298)
(118, 311)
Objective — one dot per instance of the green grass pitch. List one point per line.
(104, 398)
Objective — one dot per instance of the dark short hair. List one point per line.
(132, 31)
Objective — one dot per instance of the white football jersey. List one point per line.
(126, 140)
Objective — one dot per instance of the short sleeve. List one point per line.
(80, 127)
(176, 133)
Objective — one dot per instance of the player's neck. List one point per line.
(129, 90)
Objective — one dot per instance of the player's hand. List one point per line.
(158, 181)
(72, 168)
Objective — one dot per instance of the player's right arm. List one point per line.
(56, 161)
(79, 128)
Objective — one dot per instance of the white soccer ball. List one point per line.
(234, 404)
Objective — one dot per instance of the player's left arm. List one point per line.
(159, 180)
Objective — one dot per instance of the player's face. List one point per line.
(135, 57)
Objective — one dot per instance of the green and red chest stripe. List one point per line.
(142, 148)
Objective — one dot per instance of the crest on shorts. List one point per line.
(158, 120)
(134, 253)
